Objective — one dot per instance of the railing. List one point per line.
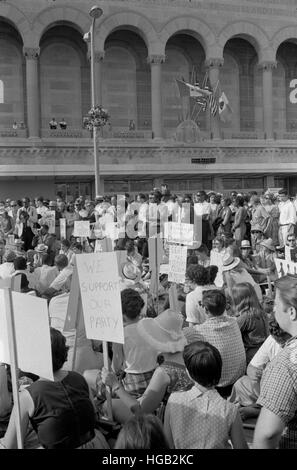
(13, 133)
(65, 133)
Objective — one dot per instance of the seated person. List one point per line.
(135, 357)
(246, 390)
(45, 274)
(60, 411)
(200, 418)
(63, 124)
(63, 280)
(7, 268)
(163, 334)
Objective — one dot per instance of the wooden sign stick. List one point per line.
(269, 285)
(13, 364)
(108, 389)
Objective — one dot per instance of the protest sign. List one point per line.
(103, 245)
(100, 294)
(177, 263)
(284, 267)
(178, 233)
(50, 220)
(216, 259)
(81, 228)
(63, 229)
(32, 334)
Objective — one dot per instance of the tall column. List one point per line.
(267, 68)
(213, 66)
(156, 62)
(32, 83)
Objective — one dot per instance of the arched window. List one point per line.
(1, 92)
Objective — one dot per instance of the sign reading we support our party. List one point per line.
(177, 263)
(100, 294)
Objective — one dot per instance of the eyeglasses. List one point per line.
(291, 239)
(13, 205)
(256, 231)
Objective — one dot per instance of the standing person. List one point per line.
(239, 227)
(272, 210)
(222, 332)
(202, 209)
(24, 231)
(41, 209)
(277, 424)
(31, 211)
(46, 238)
(71, 216)
(6, 224)
(287, 218)
(13, 212)
(225, 216)
(251, 318)
(259, 215)
(200, 418)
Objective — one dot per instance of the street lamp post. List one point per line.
(95, 13)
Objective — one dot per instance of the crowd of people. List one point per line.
(187, 378)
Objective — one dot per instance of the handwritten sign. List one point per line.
(284, 267)
(32, 334)
(216, 259)
(81, 228)
(63, 229)
(50, 220)
(179, 233)
(177, 264)
(100, 294)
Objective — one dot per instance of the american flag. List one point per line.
(213, 104)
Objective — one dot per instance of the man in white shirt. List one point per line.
(202, 210)
(287, 218)
(31, 210)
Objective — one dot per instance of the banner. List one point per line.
(32, 333)
(177, 264)
(284, 267)
(81, 228)
(100, 294)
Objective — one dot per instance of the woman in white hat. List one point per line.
(234, 273)
(164, 334)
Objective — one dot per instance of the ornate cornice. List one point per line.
(156, 59)
(214, 63)
(267, 65)
(31, 52)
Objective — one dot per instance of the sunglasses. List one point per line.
(291, 239)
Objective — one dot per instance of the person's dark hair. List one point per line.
(143, 431)
(130, 247)
(40, 198)
(24, 283)
(227, 201)
(24, 214)
(203, 362)
(277, 333)
(245, 299)
(132, 303)
(239, 200)
(202, 249)
(212, 273)
(65, 242)
(59, 349)
(46, 259)
(45, 226)
(77, 245)
(192, 259)
(2, 241)
(214, 301)
(20, 263)
(283, 191)
(198, 274)
(61, 261)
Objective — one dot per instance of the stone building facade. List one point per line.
(248, 47)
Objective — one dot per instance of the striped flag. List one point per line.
(213, 101)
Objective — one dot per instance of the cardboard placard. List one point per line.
(284, 267)
(100, 295)
(50, 220)
(63, 229)
(179, 233)
(81, 228)
(32, 333)
(177, 263)
(216, 259)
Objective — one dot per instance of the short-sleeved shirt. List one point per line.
(200, 420)
(63, 280)
(279, 392)
(222, 332)
(194, 311)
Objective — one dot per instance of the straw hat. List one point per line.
(41, 248)
(245, 244)
(268, 244)
(256, 228)
(164, 333)
(229, 262)
(131, 271)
